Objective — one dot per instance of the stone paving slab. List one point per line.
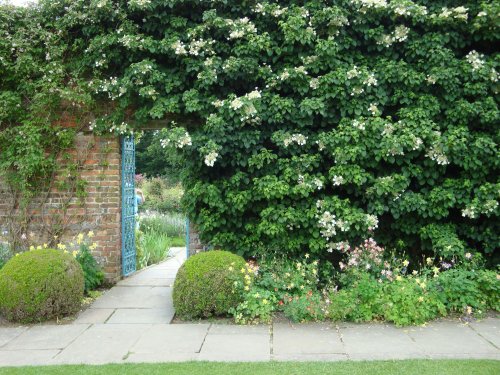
(27, 357)
(46, 337)
(134, 297)
(164, 340)
(489, 329)
(311, 338)
(102, 343)
(148, 281)
(92, 316)
(145, 316)
(236, 347)
(9, 333)
(376, 341)
(450, 338)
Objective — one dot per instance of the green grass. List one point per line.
(178, 241)
(409, 367)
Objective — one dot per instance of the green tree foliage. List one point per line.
(153, 160)
(307, 124)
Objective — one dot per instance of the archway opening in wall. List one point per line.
(161, 228)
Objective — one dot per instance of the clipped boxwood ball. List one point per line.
(40, 285)
(204, 285)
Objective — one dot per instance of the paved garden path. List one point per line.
(131, 323)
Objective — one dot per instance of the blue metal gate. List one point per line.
(128, 206)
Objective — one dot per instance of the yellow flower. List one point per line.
(75, 253)
(45, 246)
(17, 254)
(247, 287)
(93, 246)
(231, 269)
(307, 256)
(414, 273)
(242, 270)
(66, 251)
(405, 263)
(32, 248)
(39, 247)
(264, 301)
(399, 278)
(90, 234)
(420, 299)
(429, 261)
(435, 269)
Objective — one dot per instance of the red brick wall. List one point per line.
(99, 211)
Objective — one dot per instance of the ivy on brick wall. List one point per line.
(306, 125)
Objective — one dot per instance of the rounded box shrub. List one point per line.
(204, 285)
(40, 285)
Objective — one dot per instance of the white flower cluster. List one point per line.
(328, 225)
(359, 124)
(120, 129)
(129, 40)
(436, 153)
(298, 138)
(139, 3)
(370, 4)
(340, 246)
(315, 184)
(475, 59)
(373, 109)
(240, 27)
(459, 13)
(195, 47)
(431, 79)
(473, 211)
(493, 75)
(338, 180)
(470, 212)
(183, 141)
(314, 83)
(372, 222)
(417, 142)
(400, 34)
(369, 80)
(408, 8)
(490, 206)
(245, 102)
(210, 158)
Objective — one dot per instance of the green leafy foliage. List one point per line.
(40, 285)
(92, 271)
(204, 285)
(154, 247)
(301, 124)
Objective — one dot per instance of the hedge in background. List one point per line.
(204, 285)
(40, 285)
(310, 125)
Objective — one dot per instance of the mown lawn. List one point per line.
(408, 367)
